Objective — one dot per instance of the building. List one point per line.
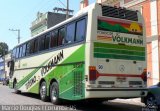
(45, 21)
(109, 2)
(4, 68)
(2, 76)
(150, 10)
(7, 61)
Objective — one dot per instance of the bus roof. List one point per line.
(77, 15)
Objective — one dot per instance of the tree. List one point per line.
(3, 49)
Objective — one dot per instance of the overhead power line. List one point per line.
(62, 3)
(67, 8)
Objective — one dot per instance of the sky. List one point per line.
(19, 14)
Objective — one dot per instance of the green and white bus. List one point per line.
(98, 53)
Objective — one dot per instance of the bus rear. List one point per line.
(117, 56)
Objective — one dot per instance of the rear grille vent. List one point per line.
(135, 82)
(109, 11)
(106, 82)
(78, 83)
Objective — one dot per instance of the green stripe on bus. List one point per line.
(65, 74)
(25, 79)
(60, 71)
(114, 56)
(117, 46)
(117, 51)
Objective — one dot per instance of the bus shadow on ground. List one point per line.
(92, 105)
(30, 95)
(102, 106)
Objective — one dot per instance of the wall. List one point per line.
(1, 69)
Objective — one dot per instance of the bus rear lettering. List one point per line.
(127, 40)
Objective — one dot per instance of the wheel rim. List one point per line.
(43, 90)
(151, 102)
(54, 94)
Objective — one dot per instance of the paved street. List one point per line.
(8, 97)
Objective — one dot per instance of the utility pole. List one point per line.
(67, 12)
(66, 9)
(19, 36)
(18, 30)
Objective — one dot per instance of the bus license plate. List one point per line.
(121, 79)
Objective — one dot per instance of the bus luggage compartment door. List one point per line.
(119, 73)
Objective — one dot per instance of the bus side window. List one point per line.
(31, 48)
(80, 30)
(17, 52)
(47, 40)
(54, 39)
(35, 48)
(61, 36)
(70, 33)
(41, 43)
(20, 51)
(27, 48)
(24, 50)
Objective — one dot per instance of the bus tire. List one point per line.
(54, 93)
(43, 91)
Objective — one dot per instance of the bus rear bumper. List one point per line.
(116, 93)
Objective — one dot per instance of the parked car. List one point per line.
(153, 97)
(1, 79)
(6, 81)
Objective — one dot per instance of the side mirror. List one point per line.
(8, 64)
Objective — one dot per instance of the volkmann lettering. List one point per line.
(127, 40)
(52, 62)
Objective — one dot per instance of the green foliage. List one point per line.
(109, 27)
(3, 48)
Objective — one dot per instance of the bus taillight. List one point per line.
(92, 73)
(144, 75)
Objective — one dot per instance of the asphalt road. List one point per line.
(8, 97)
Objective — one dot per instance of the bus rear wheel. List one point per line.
(54, 93)
(43, 91)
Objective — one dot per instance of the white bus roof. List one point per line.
(78, 14)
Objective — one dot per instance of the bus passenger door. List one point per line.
(11, 68)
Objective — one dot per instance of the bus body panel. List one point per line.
(69, 75)
(117, 57)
